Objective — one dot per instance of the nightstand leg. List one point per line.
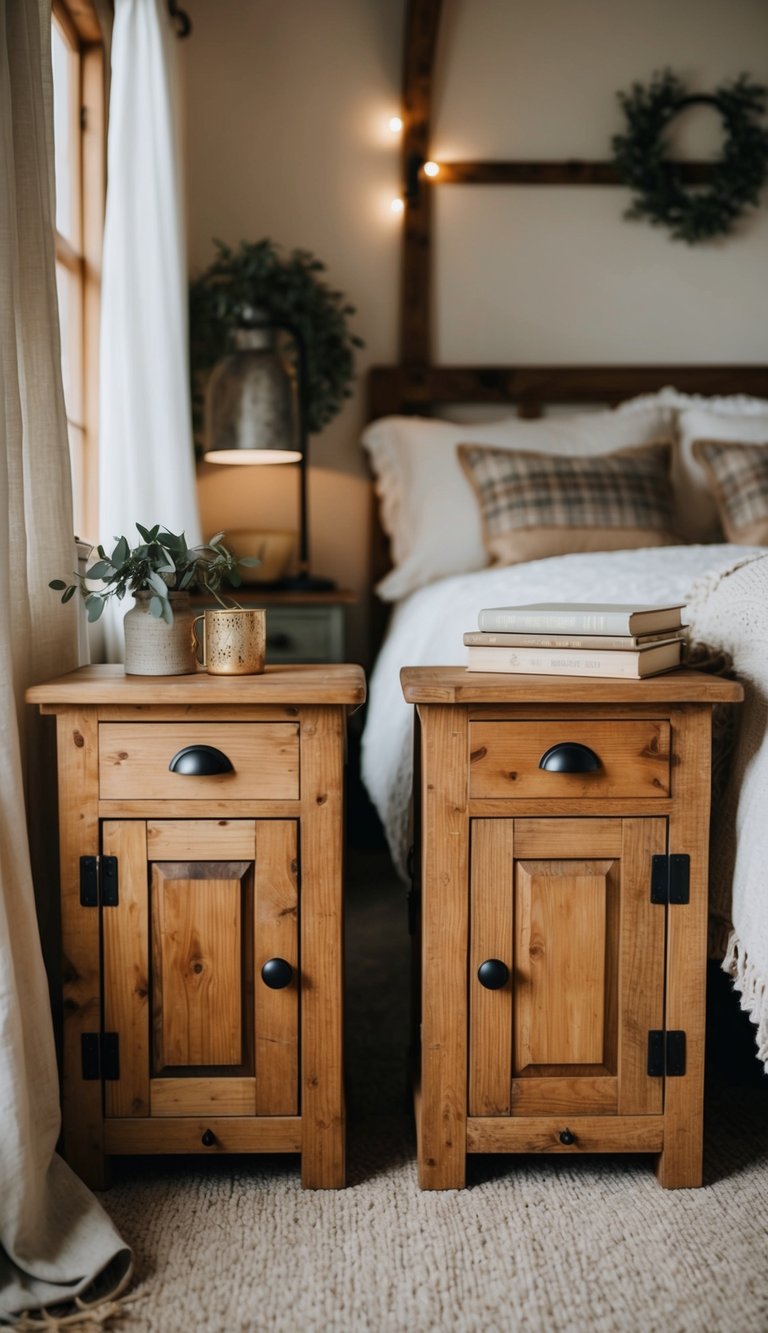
(321, 912)
(442, 1101)
(680, 1164)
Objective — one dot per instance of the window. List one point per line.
(79, 118)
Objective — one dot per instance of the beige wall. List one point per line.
(286, 124)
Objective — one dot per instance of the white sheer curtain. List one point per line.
(54, 1236)
(146, 456)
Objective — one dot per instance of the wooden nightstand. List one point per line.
(563, 829)
(201, 826)
(301, 627)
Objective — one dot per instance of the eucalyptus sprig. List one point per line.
(286, 288)
(162, 563)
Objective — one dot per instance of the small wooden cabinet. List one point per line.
(201, 823)
(563, 830)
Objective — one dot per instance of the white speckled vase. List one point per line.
(153, 648)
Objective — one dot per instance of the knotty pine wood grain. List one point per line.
(78, 781)
(680, 1163)
(444, 877)
(134, 759)
(633, 759)
(335, 683)
(202, 913)
(446, 685)
(127, 969)
(276, 935)
(323, 1115)
(490, 1011)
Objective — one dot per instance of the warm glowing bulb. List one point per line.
(395, 124)
(397, 205)
(431, 168)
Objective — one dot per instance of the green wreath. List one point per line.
(287, 288)
(737, 176)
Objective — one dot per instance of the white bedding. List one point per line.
(726, 589)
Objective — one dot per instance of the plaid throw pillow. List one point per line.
(536, 505)
(738, 476)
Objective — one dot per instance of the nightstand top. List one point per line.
(330, 683)
(456, 685)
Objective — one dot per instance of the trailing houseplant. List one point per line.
(161, 564)
(260, 278)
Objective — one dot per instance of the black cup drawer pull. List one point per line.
(569, 757)
(200, 761)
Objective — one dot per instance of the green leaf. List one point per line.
(154, 580)
(69, 594)
(58, 584)
(94, 606)
(120, 553)
(101, 570)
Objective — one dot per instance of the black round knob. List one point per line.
(208, 1139)
(567, 1137)
(276, 973)
(493, 974)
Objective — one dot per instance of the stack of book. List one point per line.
(578, 639)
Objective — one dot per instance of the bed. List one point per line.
(449, 554)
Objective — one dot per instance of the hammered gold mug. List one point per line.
(232, 641)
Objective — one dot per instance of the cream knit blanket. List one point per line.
(729, 610)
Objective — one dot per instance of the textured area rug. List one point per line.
(540, 1244)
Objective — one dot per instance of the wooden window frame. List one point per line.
(78, 22)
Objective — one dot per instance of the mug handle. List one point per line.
(197, 643)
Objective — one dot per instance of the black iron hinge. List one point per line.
(671, 878)
(98, 880)
(100, 1055)
(666, 1053)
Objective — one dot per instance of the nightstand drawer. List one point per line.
(583, 759)
(305, 633)
(135, 758)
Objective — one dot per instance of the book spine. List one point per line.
(549, 665)
(510, 639)
(555, 622)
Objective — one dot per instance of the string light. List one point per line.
(395, 124)
(431, 169)
(397, 205)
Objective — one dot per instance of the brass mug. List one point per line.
(232, 641)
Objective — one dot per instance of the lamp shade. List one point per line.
(251, 405)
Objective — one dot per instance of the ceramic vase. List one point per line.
(153, 648)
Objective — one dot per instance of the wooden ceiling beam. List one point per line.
(422, 22)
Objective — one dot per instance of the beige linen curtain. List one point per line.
(55, 1239)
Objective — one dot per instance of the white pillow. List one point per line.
(428, 509)
(732, 417)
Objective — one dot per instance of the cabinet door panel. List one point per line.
(201, 915)
(562, 951)
(199, 1030)
(584, 947)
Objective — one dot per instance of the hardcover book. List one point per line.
(582, 617)
(633, 665)
(510, 639)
